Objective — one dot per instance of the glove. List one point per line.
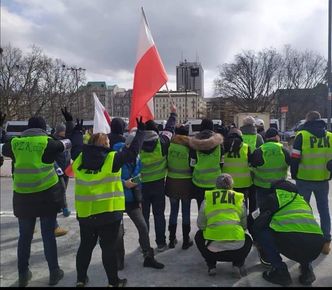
(68, 116)
(140, 124)
(79, 125)
(2, 118)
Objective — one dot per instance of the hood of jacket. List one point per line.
(317, 128)
(34, 132)
(205, 141)
(180, 139)
(248, 129)
(93, 157)
(150, 140)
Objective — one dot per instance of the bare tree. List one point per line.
(250, 80)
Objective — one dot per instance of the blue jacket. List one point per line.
(129, 170)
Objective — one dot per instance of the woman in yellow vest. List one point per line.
(222, 221)
(286, 225)
(99, 199)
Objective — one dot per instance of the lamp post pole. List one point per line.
(329, 73)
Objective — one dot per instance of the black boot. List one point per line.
(187, 243)
(279, 276)
(23, 279)
(172, 236)
(149, 260)
(307, 276)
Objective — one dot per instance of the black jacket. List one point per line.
(44, 203)
(93, 157)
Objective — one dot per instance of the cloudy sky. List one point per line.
(102, 35)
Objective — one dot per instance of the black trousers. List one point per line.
(236, 256)
(107, 235)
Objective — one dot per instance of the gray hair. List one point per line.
(224, 181)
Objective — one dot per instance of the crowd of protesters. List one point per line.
(238, 177)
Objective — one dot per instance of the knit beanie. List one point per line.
(206, 124)
(37, 122)
(271, 132)
(224, 181)
(118, 126)
(249, 120)
(60, 128)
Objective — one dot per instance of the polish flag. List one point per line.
(149, 77)
(101, 119)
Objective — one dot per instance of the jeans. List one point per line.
(321, 191)
(26, 228)
(154, 195)
(136, 216)
(185, 206)
(107, 235)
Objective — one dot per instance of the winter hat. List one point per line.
(249, 120)
(224, 181)
(37, 122)
(182, 130)
(271, 132)
(130, 138)
(60, 128)
(312, 116)
(151, 125)
(118, 126)
(206, 124)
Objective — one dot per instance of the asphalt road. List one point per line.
(183, 268)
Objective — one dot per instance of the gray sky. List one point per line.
(102, 35)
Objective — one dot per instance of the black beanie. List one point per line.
(271, 132)
(182, 130)
(151, 125)
(207, 124)
(37, 122)
(118, 126)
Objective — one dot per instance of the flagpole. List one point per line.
(146, 21)
(169, 95)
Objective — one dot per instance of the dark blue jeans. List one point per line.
(185, 206)
(154, 195)
(321, 191)
(26, 228)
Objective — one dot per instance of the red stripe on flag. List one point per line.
(108, 117)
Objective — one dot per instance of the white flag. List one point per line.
(101, 119)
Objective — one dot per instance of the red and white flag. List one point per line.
(101, 119)
(149, 77)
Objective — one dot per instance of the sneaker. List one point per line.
(56, 276)
(172, 243)
(58, 232)
(82, 284)
(212, 271)
(120, 283)
(66, 212)
(152, 263)
(186, 245)
(307, 276)
(279, 276)
(24, 279)
(326, 248)
(162, 248)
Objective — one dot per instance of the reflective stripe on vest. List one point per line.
(238, 167)
(98, 191)
(316, 152)
(207, 169)
(223, 209)
(31, 174)
(296, 216)
(178, 162)
(251, 140)
(274, 167)
(153, 164)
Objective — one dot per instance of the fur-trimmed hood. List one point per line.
(180, 139)
(205, 141)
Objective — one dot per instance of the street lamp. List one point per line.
(75, 71)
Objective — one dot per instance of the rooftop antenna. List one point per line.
(181, 55)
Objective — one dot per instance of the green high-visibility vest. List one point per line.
(295, 217)
(274, 167)
(178, 162)
(223, 209)
(31, 174)
(237, 166)
(316, 152)
(207, 169)
(154, 165)
(251, 140)
(98, 191)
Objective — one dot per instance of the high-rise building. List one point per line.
(190, 77)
